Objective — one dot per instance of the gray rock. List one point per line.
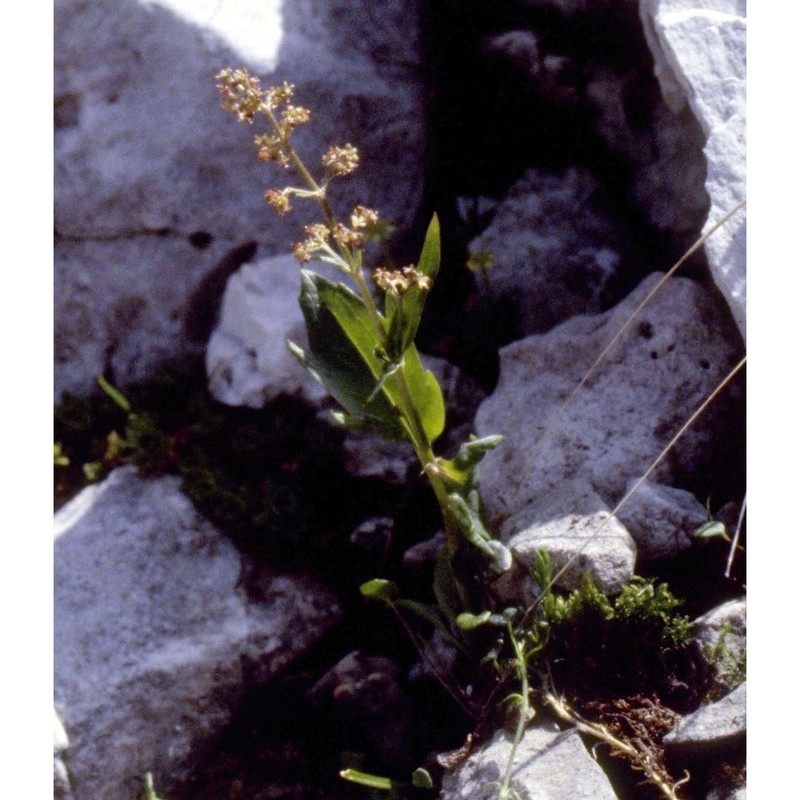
(664, 155)
(721, 635)
(655, 376)
(712, 726)
(373, 535)
(549, 765)
(154, 182)
(365, 694)
(424, 553)
(154, 643)
(248, 362)
(661, 519)
(700, 61)
(573, 521)
(555, 246)
(659, 147)
(366, 455)
(722, 791)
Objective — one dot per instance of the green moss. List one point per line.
(268, 478)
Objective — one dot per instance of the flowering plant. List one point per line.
(364, 356)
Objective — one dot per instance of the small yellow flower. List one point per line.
(400, 281)
(279, 200)
(363, 216)
(347, 238)
(341, 160)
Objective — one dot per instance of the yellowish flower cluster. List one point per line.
(341, 160)
(400, 281)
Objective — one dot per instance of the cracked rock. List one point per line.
(155, 644)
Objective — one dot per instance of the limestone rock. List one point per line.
(549, 765)
(248, 362)
(721, 635)
(570, 521)
(556, 248)
(154, 182)
(154, 643)
(668, 361)
(595, 76)
(712, 726)
(699, 48)
(661, 519)
(366, 695)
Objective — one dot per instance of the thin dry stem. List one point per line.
(641, 759)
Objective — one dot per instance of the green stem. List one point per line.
(524, 710)
(413, 423)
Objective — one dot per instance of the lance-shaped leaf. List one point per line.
(351, 314)
(425, 394)
(405, 311)
(341, 354)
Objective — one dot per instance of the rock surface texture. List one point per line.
(655, 376)
(699, 48)
(721, 635)
(661, 519)
(154, 643)
(712, 727)
(556, 247)
(549, 765)
(247, 361)
(572, 521)
(154, 183)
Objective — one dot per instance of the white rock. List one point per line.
(555, 246)
(248, 362)
(549, 765)
(154, 641)
(661, 519)
(699, 48)
(711, 726)
(570, 522)
(154, 182)
(655, 376)
(722, 637)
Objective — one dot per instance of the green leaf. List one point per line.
(379, 589)
(468, 622)
(149, 790)
(114, 394)
(365, 779)
(421, 779)
(494, 556)
(341, 354)
(460, 471)
(445, 584)
(404, 313)
(711, 530)
(426, 394)
(369, 424)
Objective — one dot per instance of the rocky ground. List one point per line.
(208, 624)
